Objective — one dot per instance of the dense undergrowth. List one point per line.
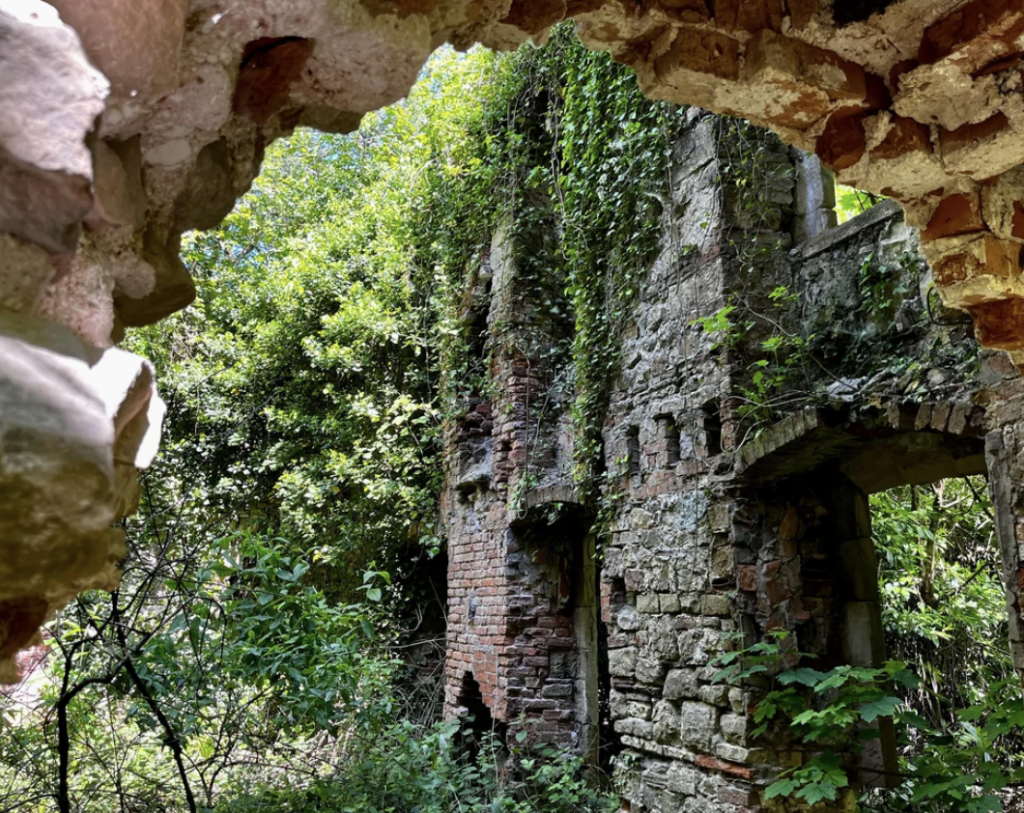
(253, 657)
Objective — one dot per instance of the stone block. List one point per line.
(556, 690)
(622, 662)
(633, 727)
(683, 778)
(697, 724)
(666, 722)
(663, 642)
(734, 727)
(716, 605)
(648, 603)
(681, 684)
(733, 753)
(639, 709)
(739, 700)
(715, 694)
(649, 670)
(720, 517)
(696, 647)
(628, 619)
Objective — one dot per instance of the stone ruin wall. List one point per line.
(714, 534)
(127, 122)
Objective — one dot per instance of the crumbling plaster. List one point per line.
(128, 122)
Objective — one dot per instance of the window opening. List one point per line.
(712, 425)
(633, 450)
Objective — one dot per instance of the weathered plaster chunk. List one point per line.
(28, 270)
(50, 96)
(135, 43)
(70, 416)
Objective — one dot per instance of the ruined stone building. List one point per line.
(711, 533)
(127, 122)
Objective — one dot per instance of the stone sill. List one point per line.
(886, 210)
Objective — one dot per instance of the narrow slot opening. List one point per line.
(712, 425)
(633, 450)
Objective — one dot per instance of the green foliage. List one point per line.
(430, 770)
(780, 360)
(959, 724)
(571, 149)
(944, 611)
(612, 179)
(941, 583)
(851, 202)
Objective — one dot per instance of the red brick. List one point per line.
(1000, 324)
(749, 15)
(1018, 220)
(975, 33)
(906, 135)
(898, 71)
(957, 214)
(731, 768)
(802, 12)
(951, 141)
(843, 142)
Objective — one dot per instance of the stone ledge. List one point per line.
(886, 210)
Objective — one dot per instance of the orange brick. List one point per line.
(1000, 324)
(843, 142)
(978, 33)
(906, 135)
(957, 214)
(953, 140)
(749, 15)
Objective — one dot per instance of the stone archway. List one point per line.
(127, 122)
